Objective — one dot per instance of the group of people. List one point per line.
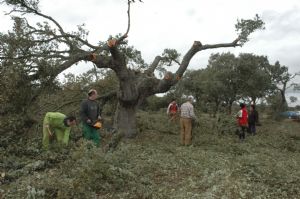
(247, 121)
(59, 125)
(187, 116)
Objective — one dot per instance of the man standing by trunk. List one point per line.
(187, 114)
(90, 115)
(58, 125)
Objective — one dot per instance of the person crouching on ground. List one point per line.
(58, 125)
(187, 114)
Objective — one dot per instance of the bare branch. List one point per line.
(125, 35)
(196, 47)
(222, 45)
(165, 84)
(61, 30)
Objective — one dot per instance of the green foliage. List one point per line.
(155, 103)
(296, 87)
(170, 55)
(248, 26)
(133, 56)
(276, 106)
(228, 78)
(293, 99)
(254, 79)
(157, 120)
(23, 5)
(155, 166)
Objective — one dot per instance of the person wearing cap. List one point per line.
(57, 124)
(187, 115)
(242, 117)
(90, 116)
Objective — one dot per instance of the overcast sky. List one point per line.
(160, 24)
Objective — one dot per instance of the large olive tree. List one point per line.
(45, 49)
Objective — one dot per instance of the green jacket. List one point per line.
(56, 122)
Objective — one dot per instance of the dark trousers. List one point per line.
(252, 129)
(242, 132)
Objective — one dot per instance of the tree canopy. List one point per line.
(40, 52)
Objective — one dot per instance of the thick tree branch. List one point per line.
(56, 70)
(43, 55)
(222, 45)
(57, 37)
(154, 65)
(101, 61)
(165, 84)
(196, 47)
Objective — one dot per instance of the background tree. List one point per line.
(254, 81)
(224, 67)
(293, 99)
(191, 84)
(281, 77)
(47, 50)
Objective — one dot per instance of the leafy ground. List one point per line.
(154, 165)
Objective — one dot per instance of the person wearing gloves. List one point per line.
(90, 117)
(58, 125)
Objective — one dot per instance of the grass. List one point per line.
(154, 165)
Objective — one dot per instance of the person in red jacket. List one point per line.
(242, 117)
(172, 110)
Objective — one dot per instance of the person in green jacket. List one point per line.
(57, 124)
(89, 115)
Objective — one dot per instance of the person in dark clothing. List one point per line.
(252, 120)
(90, 115)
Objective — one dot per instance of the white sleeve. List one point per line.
(240, 114)
(168, 109)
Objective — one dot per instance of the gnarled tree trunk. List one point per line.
(126, 120)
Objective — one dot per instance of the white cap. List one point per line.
(191, 98)
(91, 91)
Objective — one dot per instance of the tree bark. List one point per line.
(126, 120)
(283, 105)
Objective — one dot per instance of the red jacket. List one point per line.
(172, 108)
(243, 117)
